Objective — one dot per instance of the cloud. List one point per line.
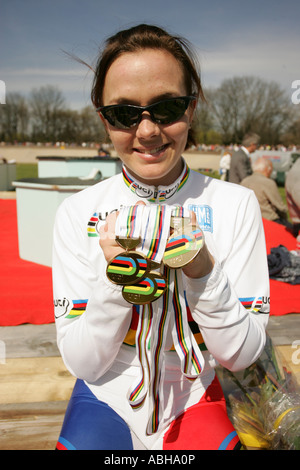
(268, 56)
(75, 84)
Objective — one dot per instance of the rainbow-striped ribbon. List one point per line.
(161, 319)
(192, 361)
(156, 232)
(129, 221)
(154, 320)
(155, 317)
(138, 392)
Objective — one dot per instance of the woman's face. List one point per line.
(151, 152)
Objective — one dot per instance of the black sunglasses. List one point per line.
(125, 116)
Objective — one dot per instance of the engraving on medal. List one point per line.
(149, 289)
(178, 223)
(183, 247)
(127, 268)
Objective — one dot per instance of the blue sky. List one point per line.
(232, 38)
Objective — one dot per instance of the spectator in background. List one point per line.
(240, 165)
(292, 190)
(271, 204)
(225, 165)
(103, 153)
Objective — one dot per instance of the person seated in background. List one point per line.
(240, 164)
(292, 191)
(271, 204)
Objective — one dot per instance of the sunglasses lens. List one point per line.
(169, 111)
(122, 117)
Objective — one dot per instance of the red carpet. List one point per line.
(26, 287)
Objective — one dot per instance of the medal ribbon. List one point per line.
(155, 317)
(161, 319)
(138, 392)
(153, 325)
(156, 232)
(153, 320)
(129, 221)
(191, 358)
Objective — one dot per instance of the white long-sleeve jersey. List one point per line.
(229, 308)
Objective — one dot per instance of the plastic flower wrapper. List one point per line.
(281, 415)
(263, 404)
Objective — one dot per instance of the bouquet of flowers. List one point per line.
(263, 404)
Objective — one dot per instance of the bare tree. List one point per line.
(249, 104)
(46, 104)
(14, 117)
(277, 115)
(292, 135)
(204, 122)
(91, 126)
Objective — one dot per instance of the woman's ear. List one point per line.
(102, 118)
(192, 108)
(104, 123)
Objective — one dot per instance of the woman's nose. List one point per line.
(147, 128)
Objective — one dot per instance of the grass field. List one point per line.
(26, 170)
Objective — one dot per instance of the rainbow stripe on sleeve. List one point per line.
(92, 225)
(251, 303)
(79, 307)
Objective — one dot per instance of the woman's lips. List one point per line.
(152, 152)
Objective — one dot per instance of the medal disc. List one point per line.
(149, 289)
(127, 243)
(182, 247)
(179, 223)
(127, 268)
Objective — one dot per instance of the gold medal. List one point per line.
(128, 243)
(149, 289)
(127, 268)
(183, 246)
(178, 223)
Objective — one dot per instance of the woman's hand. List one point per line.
(203, 263)
(107, 232)
(108, 237)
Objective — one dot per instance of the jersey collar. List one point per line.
(155, 193)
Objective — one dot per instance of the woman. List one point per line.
(145, 371)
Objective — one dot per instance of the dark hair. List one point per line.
(148, 37)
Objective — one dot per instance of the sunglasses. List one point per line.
(125, 116)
